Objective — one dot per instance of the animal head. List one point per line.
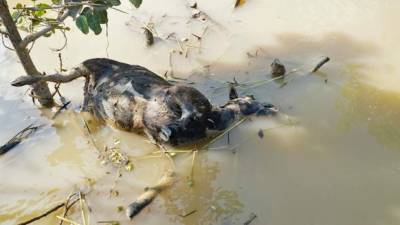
(248, 105)
(223, 116)
(181, 115)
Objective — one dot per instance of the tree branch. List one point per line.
(34, 36)
(75, 73)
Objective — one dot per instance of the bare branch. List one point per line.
(77, 72)
(34, 36)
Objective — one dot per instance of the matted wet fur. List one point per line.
(133, 98)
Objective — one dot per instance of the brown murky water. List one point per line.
(332, 156)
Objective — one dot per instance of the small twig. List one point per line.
(110, 222)
(108, 41)
(320, 64)
(32, 45)
(89, 133)
(60, 62)
(4, 43)
(64, 106)
(82, 209)
(64, 45)
(149, 36)
(67, 220)
(44, 214)
(18, 138)
(188, 214)
(34, 36)
(251, 218)
(173, 151)
(224, 132)
(192, 168)
(119, 10)
(68, 205)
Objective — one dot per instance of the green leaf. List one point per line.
(42, 6)
(18, 6)
(82, 23)
(15, 15)
(56, 2)
(93, 21)
(48, 34)
(39, 13)
(101, 15)
(136, 3)
(114, 2)
(86, 11)
(104, 3)
(94, 25)
(35, 22)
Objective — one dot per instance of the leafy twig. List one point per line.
(34, 36)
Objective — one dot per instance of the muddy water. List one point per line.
(331, 156)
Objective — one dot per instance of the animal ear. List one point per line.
(233, 93)
(251, 97)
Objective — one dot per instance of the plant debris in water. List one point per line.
(110, 222)
(251, 218)
(239, 3)
(320, 64)
(64, 106)
(67, 205)
(18, 138)
(149, 36)
(114, 155)
(261, 133)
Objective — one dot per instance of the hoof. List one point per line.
(165, 134)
